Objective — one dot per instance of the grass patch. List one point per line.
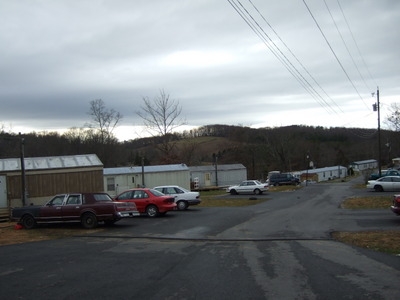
(382, 241)
(213, 198)
(284, 188)
(373, 202)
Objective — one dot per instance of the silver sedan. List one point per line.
(388, 183)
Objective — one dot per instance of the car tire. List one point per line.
(152, 211)
(89, 221)
(257, 192)
(182, 205)
(28, 222)
(378, 188)
(233, 192)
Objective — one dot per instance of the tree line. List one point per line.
(262, 150)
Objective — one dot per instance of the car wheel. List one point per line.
(257, 192)
(378, 188)
(89, 221)
(152, 211)
(28, 222)
(233, 192)
(182, 205)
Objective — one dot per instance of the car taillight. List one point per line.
(396, 200)
(169, 200)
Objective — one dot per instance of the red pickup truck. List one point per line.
(87, 208)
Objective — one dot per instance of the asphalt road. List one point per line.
(280, 249)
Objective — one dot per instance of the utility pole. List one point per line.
(376, 107)
(379, 133)
(23, 176)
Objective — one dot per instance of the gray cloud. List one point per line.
(57, 56)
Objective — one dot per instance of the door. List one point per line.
(52, 210)
(3, 192)
(71, 209)
(207, 179)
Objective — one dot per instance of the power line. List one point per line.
(295, 57)
(271, 45)
(358, 49)
(333, 52)
(345, 45)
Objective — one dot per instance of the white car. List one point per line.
(183, 197)
(388, 183)
(248, 186)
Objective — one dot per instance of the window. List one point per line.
(57, 200)
(110, 184)
(125, 196)
(73, 200)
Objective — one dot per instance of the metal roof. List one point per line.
(50, 162)
(325, 169)
(222, 167)
(368, 161)
(147, 169)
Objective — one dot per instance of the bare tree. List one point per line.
(161, 116)
(105, 120)
(393, 119)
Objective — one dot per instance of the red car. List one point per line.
(396, 205)
(148, 201)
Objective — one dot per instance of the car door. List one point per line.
(396, 183)
(243, 187)
(250, 186)
(52, 210)
(141, 200)
(71, 207)
(387, 183)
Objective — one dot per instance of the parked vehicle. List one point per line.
(148, 201)
(384, 173)
(87, 208)
(283, 179)
(396, 205)
(248, 186)
(183, 197)
(388, 183)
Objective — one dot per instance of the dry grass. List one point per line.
(10, 235)
(371, 202)
(215, 198)
(383, 241)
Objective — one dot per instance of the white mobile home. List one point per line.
(217, 175)
(364, 165)
(117, 180)
(324, 174)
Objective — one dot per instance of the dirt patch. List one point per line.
(9, 234)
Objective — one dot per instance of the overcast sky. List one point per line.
(292, 62)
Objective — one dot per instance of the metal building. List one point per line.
(43, 177)
(217, 175)
(117, 180)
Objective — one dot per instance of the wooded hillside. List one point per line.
(260, 150)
